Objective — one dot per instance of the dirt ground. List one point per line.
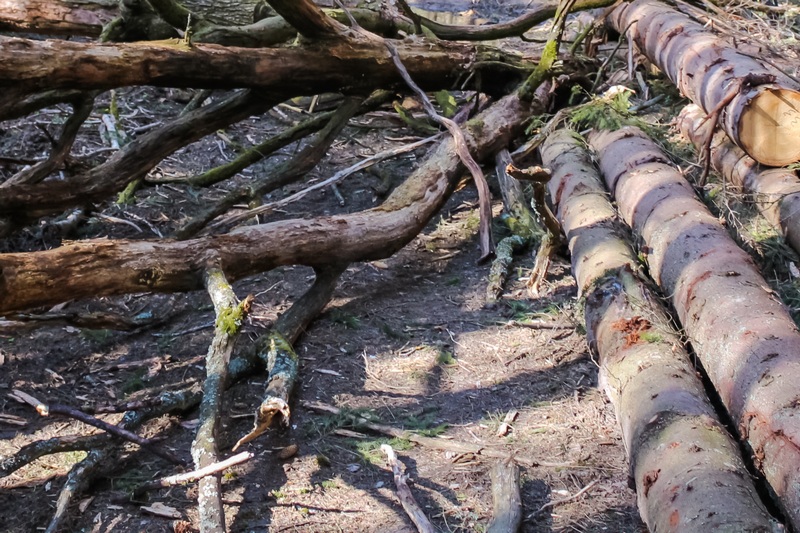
(407, 341)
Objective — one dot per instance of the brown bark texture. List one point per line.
(688, 472)
(62, 17)
(104, 267)
(742, 334)
(775, 191)
(352, 66)
(758, 107)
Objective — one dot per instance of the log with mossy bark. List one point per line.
(757, 106)
(775, 191)
(105, 267)
(688, 472)
(741, 332)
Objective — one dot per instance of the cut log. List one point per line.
(105, 267)
(742, 335)
(688, 472)
(775, 191)
(506, 500)
(758, 107)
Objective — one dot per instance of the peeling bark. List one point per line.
(758, 107)
(742, 334)
(688, 472)
(775, 191)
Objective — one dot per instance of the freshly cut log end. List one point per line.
(769, 126)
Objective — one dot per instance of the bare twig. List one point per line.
(55, 409)
(484, 196)
(564, 500)
(194, 475)
(412, 508)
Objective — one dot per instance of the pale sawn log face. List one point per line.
(760, 107)
(688, 472)
(742, 334)
(775, 191)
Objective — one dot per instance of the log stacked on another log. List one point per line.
(758, 107)
(775, 191)
(742, 334)
(688, 472)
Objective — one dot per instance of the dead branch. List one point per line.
(63, 410)
(276, 352)
(410, 505)
(332, 181)
(78, 479)
(507, 503)
(166, 266)
(35, 450)
(484, 195)
(229, 313)
(134, 161)
(194, 475)
(81, 109)
(283, 174)
(358, 65)
(429, 442)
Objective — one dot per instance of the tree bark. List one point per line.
(103, 267)
(758, 107)
(352, 66)
(688, 472)
(741, 333)
(775, 191)
(62, 17)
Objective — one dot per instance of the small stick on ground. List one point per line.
(55, 409)
(507, 503)
(410, 505)
(564, 500)
(77, 481)
(229, 313)
(194, 475)
(484, 196)
(430, 442)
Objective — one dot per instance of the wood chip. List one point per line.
(290, 451)
(505, 427)
(159, 509)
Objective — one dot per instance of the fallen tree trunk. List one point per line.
(744, 336)
(103, 267)
(61, 17)
(355, 66)
(688, 472)
(775, 191)
(758, 107)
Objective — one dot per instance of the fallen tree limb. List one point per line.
(758, 107)
(56, 409)
(279, 358)
(506, 500)
(134, 161)
(410, 505)
(103, 267)
(284, 174)
(229, 314)
(775, 191)
(741, 333)
(688, 472)
(358, 66)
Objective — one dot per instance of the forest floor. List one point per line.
(407, 341)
